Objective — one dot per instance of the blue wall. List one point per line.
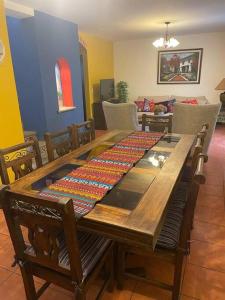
(27, 73)
(36, 45)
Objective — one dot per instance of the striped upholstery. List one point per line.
(169, 235)
(187, 174)
(92, 247)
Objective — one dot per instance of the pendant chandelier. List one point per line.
(166, 41)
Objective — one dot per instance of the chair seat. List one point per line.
(92, 247)
(187, 174)
(169, 235)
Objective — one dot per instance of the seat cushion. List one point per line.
(170, 233)
(187, 174)
(92, 247)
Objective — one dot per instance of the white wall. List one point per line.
(135, 61)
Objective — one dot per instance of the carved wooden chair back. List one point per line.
(203, 132)
(196, 151)
(59, 143)
(21, 159)
(50, 224)
(197, 179)
(84, 132)
(157, 123)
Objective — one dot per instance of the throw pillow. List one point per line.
(190, 101)
(168, 104)
(152, 105)
(149, 105)
(146, 105)
(140, 105)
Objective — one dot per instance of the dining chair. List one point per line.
(21, 159)
(84, 132)
(54, 250)
(187, 172)
(188, 119)
(159, 123)
(60, 143)
(173, 242)
(120, 115)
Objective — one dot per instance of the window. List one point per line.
(64, 85)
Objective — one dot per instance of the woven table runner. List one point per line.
(88, 184)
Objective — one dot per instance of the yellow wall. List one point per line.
(100, 63)
(11, 131)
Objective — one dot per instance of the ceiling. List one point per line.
(129, 19)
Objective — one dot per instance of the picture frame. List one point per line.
(179, 66)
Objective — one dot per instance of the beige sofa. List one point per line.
(189, 118)
(157, 99)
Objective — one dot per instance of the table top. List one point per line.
(134, 210)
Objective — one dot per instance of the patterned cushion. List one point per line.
(140, 105)
(149, 105)
(190, 101)
(170, 233)
(92, 247)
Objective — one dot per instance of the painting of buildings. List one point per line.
(180, 66)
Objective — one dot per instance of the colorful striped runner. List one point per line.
(89, 183)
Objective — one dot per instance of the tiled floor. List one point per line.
(204, 276)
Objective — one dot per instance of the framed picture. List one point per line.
(179, 66)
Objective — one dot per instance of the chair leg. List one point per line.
(177, 275)
(111, 271)
(28, 281)
(80, 295)
(120, 267)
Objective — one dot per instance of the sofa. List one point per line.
(189, 113)
(167, 98)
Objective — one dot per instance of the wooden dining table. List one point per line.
(134, 210)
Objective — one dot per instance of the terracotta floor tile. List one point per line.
(215, 180)
(208, 232)
(210, 215)
(144, 291)
(183, 297)
(125, 294)
(54, 294)
(6, 252)
(12, 288)
(18, 293)
(211, 202)
(203, 284)
(210, 189)
(154, 268)
(4, 274)
(213, 173)
(3, 226)
(208, 255)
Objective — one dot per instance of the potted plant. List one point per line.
(159, 109)
(122, 91)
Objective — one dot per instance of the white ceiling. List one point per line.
(128, 19)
